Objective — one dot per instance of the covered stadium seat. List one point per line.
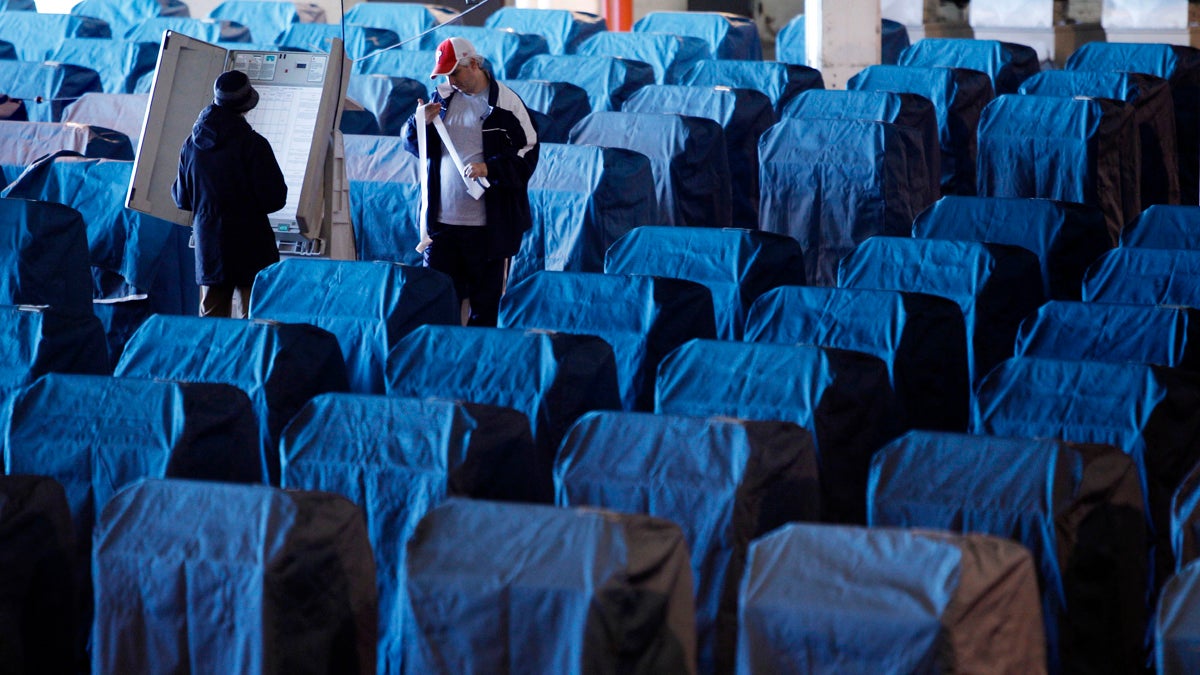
(669, 55)
(791, 40)
(44, 256)
(643, 318)
(1145, 276)
(724, 481)
(46, 89)
(562, 102)
(1177, 624)
(506, 51)
(608, 80)
(728, 35)
(781, 82)
(1160, 335)
(35, 341)
(267, 20)
(206, 30)
(119, 63)
(540, 589)
(34, 35)
(886, 600)
(736, 265)
(1180, 67)
(744, 114)
(385, 198)
(360, 41)
(831, 184)
(367, 306)
(1081, 150)
(402, 18)
(240, 578)
(1077, 508)
(958, 96)
(687, 157)
(392, 100)
(1153, 115)
(410, 63)
(121, 15)
(843, 398)
(551, 377)
(1065, 237)
(122, 113)
(563, 29)
(280, 366)
(921, 338)
(1008, 64)
(906, 110)
(397, 458)
(1162, 226)
(26, 142)
(995, 286)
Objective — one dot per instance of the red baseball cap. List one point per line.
(450, 53)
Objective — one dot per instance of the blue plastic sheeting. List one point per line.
(583, 198)
(358, 122)
(122, 113)
(958, 97)
(392, 100)
(729, 36)
(1153, 114)
(1177, 624)
(781, 82)
(385, 198)
(505, 50)
(317, 37)
(34, 342)
(120, 321)
(44, 256)
(724, 481)
(995, 286)
(1180, 66)
(921, 338)
(832, 184)
(1185, 520)
(608, 81)
(1161, 226)
(906, 110)
(37, 615)
(46, 88)
(206, 30)
(398, 458)
(563, 29)
(404, 19)
(669, 55)
(538, 589)
(368, 306)
(1065, 237)
(552, 378)
(25, 142)
(737, 266)
(563, 103)
(744, 114)
(790, 42)
(121, 15)
(266, 21)
(413, 64)
(1077, 508)
(18, 5)
(1146, 411)
(1145, 276)
(1007, 64)
(34, 35)
(280, 366)
(1069, 149)
(225, 575)
(687, 158)
(843, 398)
(7, 51)
(1115, 333)
(120, 64)
(882, 600)
(642, 318)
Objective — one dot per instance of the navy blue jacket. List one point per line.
(229, 179)
(510, 149)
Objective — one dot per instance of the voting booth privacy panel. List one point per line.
(1162, 226)
(1065, 237)
(492, 587)
(643, 318)
(37, 613)
(1177, 624)
(1160, 335)
(724, 481)
(888, 600)
(367, 306)
(921, 338)
(397, 458)
(843, 398)
(1145, 276)
(239, 578)
(1077, 508)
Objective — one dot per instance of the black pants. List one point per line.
(461, 252)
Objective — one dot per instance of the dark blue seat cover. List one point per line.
(317, 37)
(36, 341)
(391, 99)
(1162, 226)
(669, 55)
(1177, 624)
(729, 36)
(1008, 64)
(1116, 333)
(1185, 520)
(608, 80)
(506, 51)
(44, 256)
(781, 82)
(404, 19)
(207, 30)
(564, 103)
(1145, 276)
(385, 198)
(410, 63)
(120, 64)
(35, 35)
(46, 88)
(121, 15)
(563, 29)
(266, 20)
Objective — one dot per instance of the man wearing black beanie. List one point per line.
(229, 179)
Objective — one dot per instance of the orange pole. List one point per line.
(619, 14)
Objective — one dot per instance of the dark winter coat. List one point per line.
(510, 150)
(229, 179)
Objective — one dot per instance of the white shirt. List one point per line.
(464, 124)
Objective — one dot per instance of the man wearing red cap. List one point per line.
(481, 149)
